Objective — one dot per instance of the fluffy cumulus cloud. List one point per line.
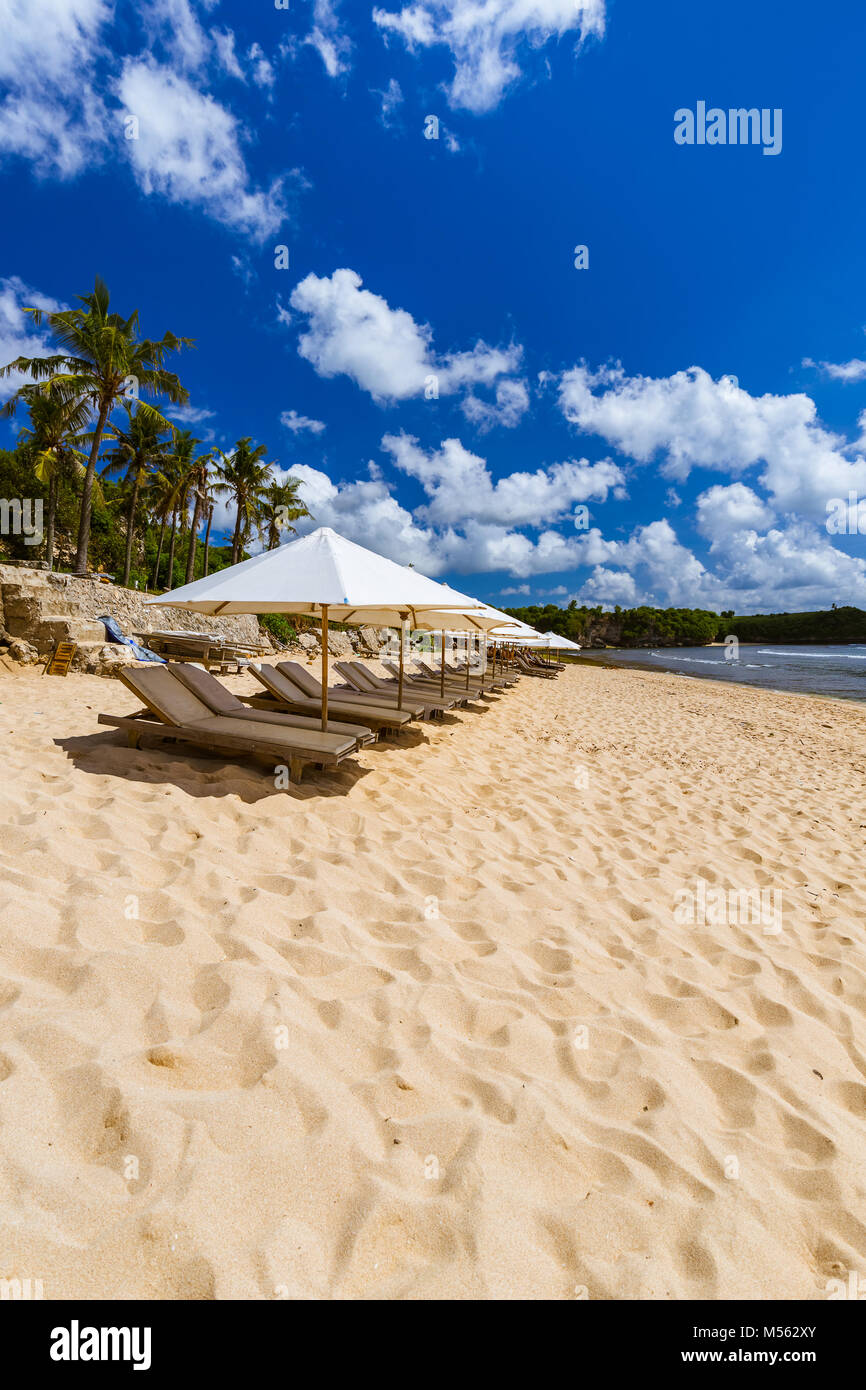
(18, 337)
(793, 567)
(188, 149)
(353, 332)
(689, 420)
(366, 510)
(487, 40)
(459, 484)
(508, 408)
(723, 512)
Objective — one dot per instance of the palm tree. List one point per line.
(199, 481)
(182, 464)
(139, 449)
(281, 505)
(55, 429)
(101, 357)
(165, 493)
(244, 477)
(210, 507)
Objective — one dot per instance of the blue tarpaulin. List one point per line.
(114, 634)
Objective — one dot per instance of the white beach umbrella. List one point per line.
(325, 575)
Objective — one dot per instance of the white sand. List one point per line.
(163, 918)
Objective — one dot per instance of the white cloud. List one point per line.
(328, 39)
(262, 68)
(299, 423)
(224, 42)
(487, 37)
(855, 370)
(175, 24)
(18, 338)
(459, 485)
(391, 99)
(188, 414)
(51, 115)
(694, 421)
(49, 41)
(188, 150)
(611, 587)
(511, 404)
(355, 333)
(725, 511)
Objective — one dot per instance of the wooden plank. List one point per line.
(220, 743)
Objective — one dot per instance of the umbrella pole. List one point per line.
(467, 661)
(442, 669)
(400, 677)
(324, 667)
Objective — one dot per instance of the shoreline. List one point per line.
(717, 680)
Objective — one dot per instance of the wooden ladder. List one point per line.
(60, 660)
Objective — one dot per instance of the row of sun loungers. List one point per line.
(281, 724)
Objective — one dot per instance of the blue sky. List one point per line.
(696, 393)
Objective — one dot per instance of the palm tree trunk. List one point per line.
(52, 512)
(196, 518)
(87, 493)
(159, 554)
(169, 578)
(130, 528)
(236, 538)
(207, 537)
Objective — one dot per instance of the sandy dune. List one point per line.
(433, 1026)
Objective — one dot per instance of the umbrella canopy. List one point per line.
(558, 643)
(551, 640)
(322, 570)
(327, 576)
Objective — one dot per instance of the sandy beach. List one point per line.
(440, 1024)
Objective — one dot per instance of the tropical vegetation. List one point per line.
(125, 490)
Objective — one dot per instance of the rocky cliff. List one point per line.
(39, 609)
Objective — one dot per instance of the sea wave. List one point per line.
(815, 656)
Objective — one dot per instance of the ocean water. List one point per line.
(836, 671)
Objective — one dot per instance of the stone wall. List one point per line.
(38, 609)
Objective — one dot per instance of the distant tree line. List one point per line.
(689, 627)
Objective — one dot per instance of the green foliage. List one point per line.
(628, 627)
(690, 627)
(277, 623)
(838, 625)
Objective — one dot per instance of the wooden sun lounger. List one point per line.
(182, 717)
(478, 680)
(371, 687)
(283, 693)
(529, 670)
(219, 700)
(429, 688)
(496, 680)
(426, 674)
(337, 694)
